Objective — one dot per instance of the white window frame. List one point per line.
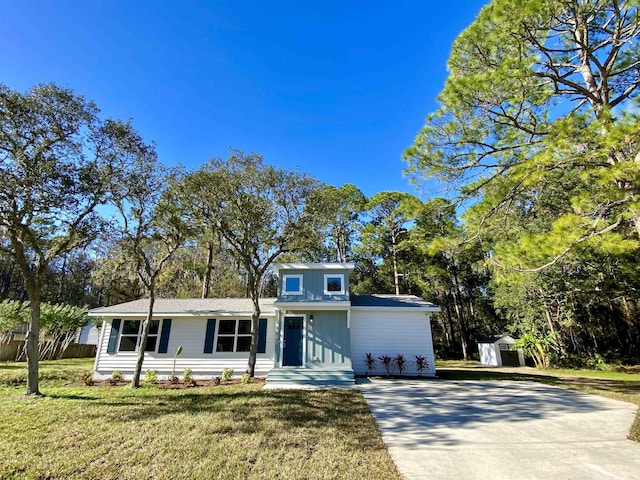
(300, 291)
(235, 335)
(139, 336)
(333, 275)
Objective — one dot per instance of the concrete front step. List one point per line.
(310, 377)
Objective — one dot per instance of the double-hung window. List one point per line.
(234, 336)
(334, 284)
(132, 333)
(292, 285)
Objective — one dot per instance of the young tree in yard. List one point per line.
(259, 211)
(56, 162)
(152, 229)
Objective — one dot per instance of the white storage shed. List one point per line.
(500, 351)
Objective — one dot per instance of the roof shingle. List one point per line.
(189, 306)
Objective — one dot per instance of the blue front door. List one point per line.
(292, 349)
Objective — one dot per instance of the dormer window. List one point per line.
(334, 284)
(292, 285)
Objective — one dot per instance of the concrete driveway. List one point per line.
(445, 429)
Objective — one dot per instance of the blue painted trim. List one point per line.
(164, 336)
(211, 332)
(113, 336)
(262, 336)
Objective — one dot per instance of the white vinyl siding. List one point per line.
(190, 333)
(390, 333)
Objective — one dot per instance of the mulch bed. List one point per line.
(168, 385)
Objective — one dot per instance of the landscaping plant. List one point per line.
(87, 378)
(246, 378)
(176, 354)
(400, 362)
(187, 376)
(386, 361)
(421, 364)
(151, 377)
(116, 377)
(227, 373)
(370, 362)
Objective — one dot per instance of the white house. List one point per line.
(313, 332)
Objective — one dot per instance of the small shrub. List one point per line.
(216, 380)
(246, 378)
(116, 377)
(176, 353)
(151, 377)
(87, 378)
(386, 361)
(421, 364)
(370, 362)
(227, 373)
(187, 376)
(400, 362)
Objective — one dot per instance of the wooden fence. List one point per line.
(75, 350)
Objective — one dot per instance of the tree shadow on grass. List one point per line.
(244, 412)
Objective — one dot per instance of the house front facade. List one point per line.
(313, 326)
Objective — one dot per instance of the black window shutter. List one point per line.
(113, 336)
(262, 335)
(208, 339)
(164, 336)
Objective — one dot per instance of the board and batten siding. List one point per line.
(313, 285)
(391, 333)
(189, 332)
(328, 337)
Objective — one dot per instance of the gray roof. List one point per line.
(393, 301)
(189, 306)
(209, 306)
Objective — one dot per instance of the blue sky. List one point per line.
(338, 89)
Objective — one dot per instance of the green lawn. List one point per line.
(617, 385)
(234, 431)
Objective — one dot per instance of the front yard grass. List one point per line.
(52, 372)
(617, 385)
(235, 431)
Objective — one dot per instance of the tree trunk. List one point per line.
(394, 257)
(464, 343)
(146, 324)
(255, 333)
(451, 328)
(206, 284)
(341, 246)
(31, 345)
(459, 307)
